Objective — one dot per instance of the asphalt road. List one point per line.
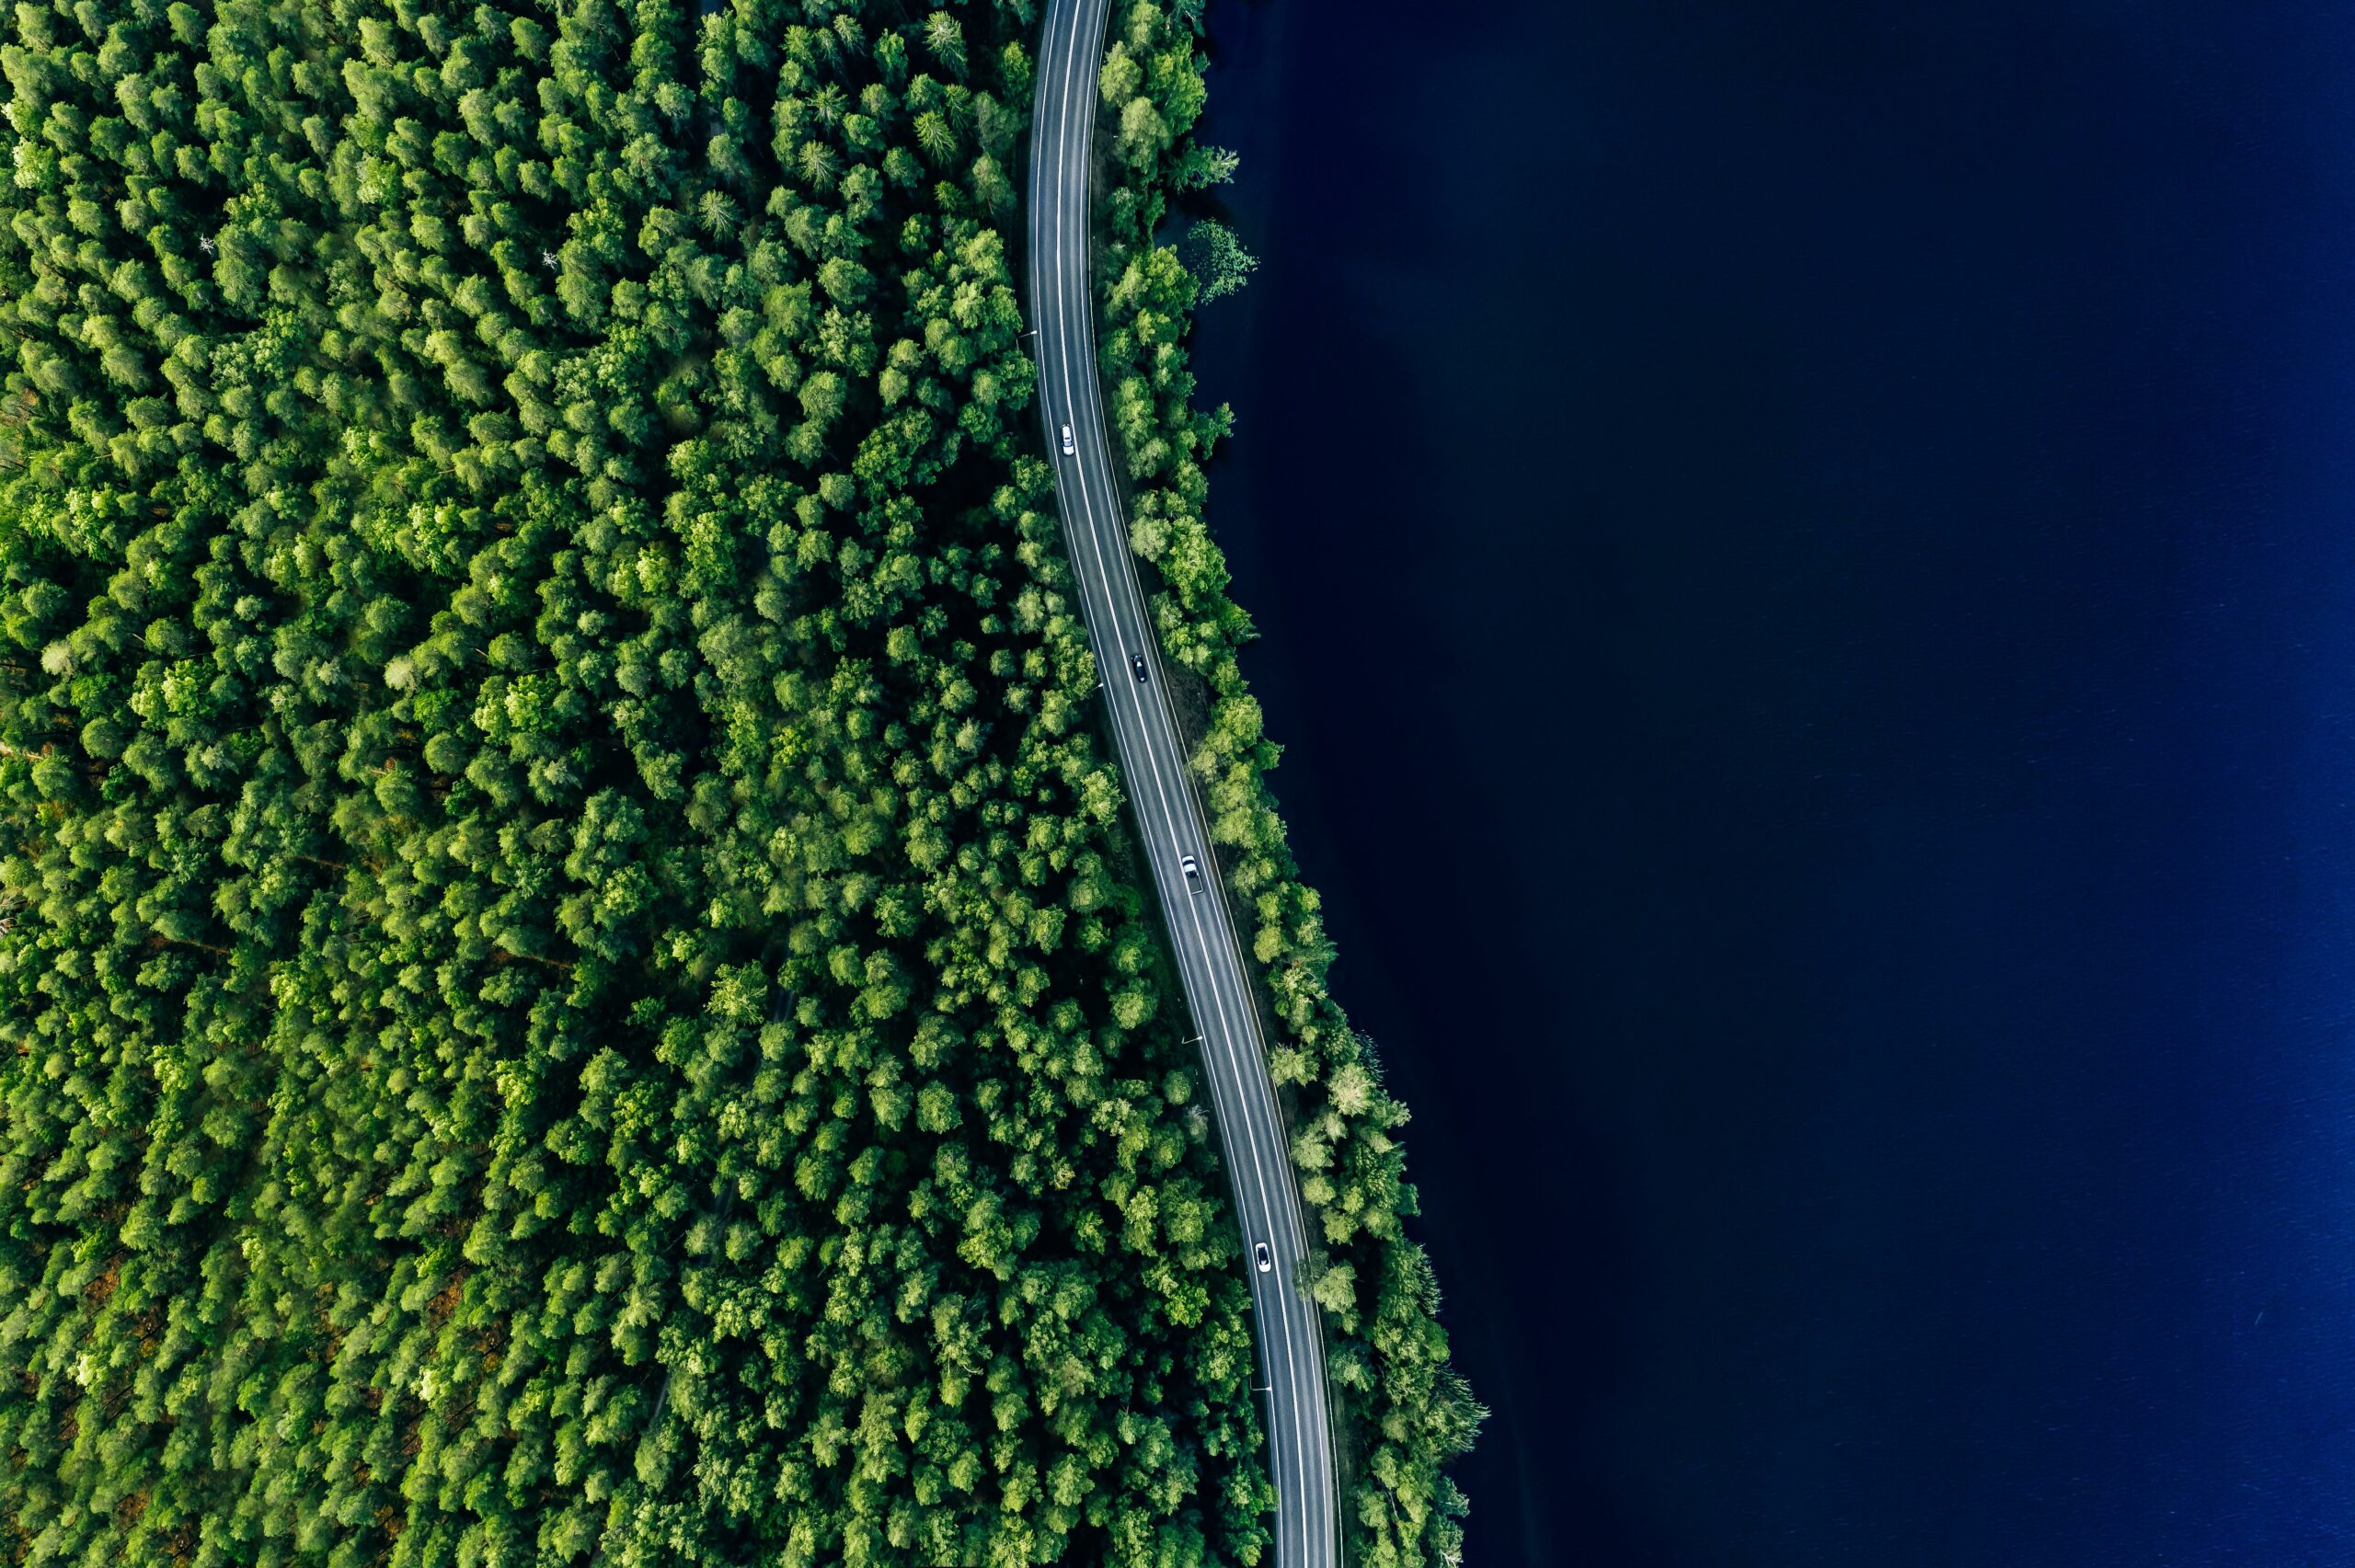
(1169, 818)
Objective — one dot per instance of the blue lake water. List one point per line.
(1806, 558)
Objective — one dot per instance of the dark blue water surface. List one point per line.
(1806, 555)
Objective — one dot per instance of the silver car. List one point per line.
(1193, 871)
(1068, 446)
(1259, 1256)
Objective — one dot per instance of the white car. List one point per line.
(1068, 447)
(1193, 870)
(1259, 1256)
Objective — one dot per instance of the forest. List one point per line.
(571, 975)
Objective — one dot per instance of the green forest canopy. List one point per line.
(570, 975)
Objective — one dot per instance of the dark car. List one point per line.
(1136, 662)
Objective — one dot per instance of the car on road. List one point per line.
(1136, 662)
(1068, 447)
(1193, 871)
(1259, 1256)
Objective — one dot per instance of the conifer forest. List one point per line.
(573, 985)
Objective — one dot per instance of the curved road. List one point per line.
(1170, 823)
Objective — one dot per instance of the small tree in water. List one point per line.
(1216, 258)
